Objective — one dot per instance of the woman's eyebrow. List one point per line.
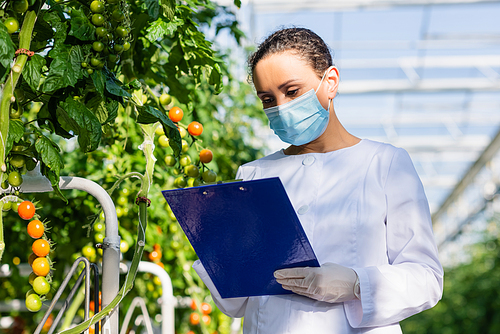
(280, 86)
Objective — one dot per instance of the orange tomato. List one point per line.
(195, 128)
(41, 266)
(41, 247)
(26, 210)
(206, 319)
(175, 114)
(193, 304)
(35, 229)
(206, 156)
(194, 318)
(155, 256)
(206, 308)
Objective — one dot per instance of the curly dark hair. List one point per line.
(305, 43)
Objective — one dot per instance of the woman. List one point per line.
(360, 202)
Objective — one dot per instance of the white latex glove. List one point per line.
(330, 283)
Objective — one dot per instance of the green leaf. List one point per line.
(32, 72)
(81, 27)
(61, 28)
(168, 8)
(16, 133)
(7, 48)
(112, 107)
(49, 153)
(113, 85)
(148, 115)
(98, 107)
(66, 68)
(85, 124)
(153, 7)
(99, 81)
(158, 29)
(237, 3)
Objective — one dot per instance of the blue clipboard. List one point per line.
(242, 232)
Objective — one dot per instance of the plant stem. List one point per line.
(8, 90)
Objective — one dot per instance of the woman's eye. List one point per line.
(292, 92)
(267, 100)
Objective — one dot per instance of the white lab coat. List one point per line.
(362, 207)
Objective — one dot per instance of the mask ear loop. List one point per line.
(324, 74)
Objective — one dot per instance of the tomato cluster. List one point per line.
(189, 174)
(200, 314)
(39, 260)
(12, 13)
(112, 29)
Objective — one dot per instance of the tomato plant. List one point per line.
(107, 101)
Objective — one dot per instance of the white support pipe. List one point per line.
(168, 300)
(35, 182)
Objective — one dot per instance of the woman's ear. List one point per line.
(332, 77)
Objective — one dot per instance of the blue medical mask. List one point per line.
(301, 120)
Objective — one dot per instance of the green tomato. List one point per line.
(165, 99)
(99, 227)
(17, 161)
(209, 176)
(12, 25)
(98, 19)
(31, 278)
(97, 6)
(180, 182)
(101, 31)
(192, 171)
(95, 62)
(121, 31)
(99, 237)
(193, 182)
(5, 184)
(163, 141)
(89, 251)
(122, 200)
(98, 46)
(185, 145)
(90, 71)
(124, 246)
(33, 302)
(182, 131)
(185, 160)
(118, 15)
(20, 6)
(7, 206)
(126, 46)
(15, 206)
(41, 286)
(170, 160)
(159, 131)
(84, 64)
(15, 179)
(118, 48)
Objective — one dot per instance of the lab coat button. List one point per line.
(308, 161)
(303, 209)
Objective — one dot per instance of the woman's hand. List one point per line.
(330, 283)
